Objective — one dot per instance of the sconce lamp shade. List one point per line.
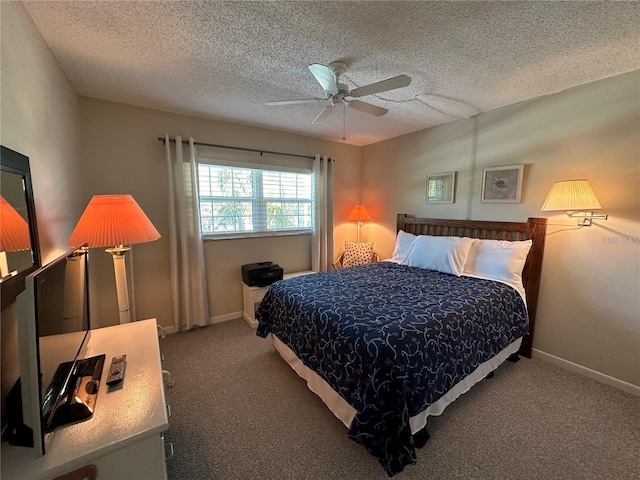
(14, 230)
(359, 214)
(111, 220)
(571, 196)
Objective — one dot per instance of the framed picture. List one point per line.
(441, 187)
(502, 184)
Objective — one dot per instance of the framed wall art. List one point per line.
(441, 187)
(502, 184)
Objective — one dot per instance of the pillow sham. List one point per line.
(404, 241)
(444, 254)
(500, 260)
(357, 253)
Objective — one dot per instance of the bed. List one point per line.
(386, 345)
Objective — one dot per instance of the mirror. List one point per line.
(19, 250)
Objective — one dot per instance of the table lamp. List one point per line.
(114, 221)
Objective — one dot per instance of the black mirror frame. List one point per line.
(14, 162)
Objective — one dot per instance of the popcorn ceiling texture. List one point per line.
(224, 60)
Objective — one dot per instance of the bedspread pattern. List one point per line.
(391, 340)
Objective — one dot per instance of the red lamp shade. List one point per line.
(359, 214)
(14, 230)
(111, 220)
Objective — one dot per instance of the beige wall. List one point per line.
(121, 154)
(589, 307)
(38, 118)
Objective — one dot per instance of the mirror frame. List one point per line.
(16, 163)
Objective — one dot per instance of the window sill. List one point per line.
(237, 236)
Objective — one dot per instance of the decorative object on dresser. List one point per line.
(441, 187)
(360, 215)
(577, 198)
(502, 184)
(405, 341)
(115, 221)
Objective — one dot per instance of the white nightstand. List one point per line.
(252, 296)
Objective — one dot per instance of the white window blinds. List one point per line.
(239, 200)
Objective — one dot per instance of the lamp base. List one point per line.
(120, 269)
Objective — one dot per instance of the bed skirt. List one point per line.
(345, 412)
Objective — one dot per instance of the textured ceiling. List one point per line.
(224, 60)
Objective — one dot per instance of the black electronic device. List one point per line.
(57, 385)
(261, 274)
(116, 370)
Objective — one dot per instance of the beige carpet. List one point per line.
(240, 412)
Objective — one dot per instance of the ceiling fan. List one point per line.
(339, 93)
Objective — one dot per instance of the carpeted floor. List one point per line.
(240, 412)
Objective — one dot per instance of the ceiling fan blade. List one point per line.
(382, 86)
(296, 102)
(324, 77)
(367, 108)
(325, 113)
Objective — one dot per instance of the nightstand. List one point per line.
(252, 296)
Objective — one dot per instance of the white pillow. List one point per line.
(404, 241)
(500, 260)
(444, 254)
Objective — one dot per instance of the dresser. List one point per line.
(124, 437)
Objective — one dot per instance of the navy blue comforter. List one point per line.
(391, 340)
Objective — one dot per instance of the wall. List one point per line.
(38, 118)
(589, 307)
(121, 154)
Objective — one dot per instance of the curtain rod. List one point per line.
(172, 140)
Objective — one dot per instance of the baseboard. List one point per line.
(587, 372)
(226, 318)
(217, 319)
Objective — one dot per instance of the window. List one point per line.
(237, 201)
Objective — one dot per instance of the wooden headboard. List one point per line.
(534, 229)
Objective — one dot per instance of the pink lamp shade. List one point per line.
(359, 214)
(111, 220)
(14, 230)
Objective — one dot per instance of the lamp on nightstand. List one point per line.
(359, 214)
(115, 221)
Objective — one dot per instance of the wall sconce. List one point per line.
(114, 221)
(575, 197)
(359, 214)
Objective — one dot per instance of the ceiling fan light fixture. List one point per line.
(339, 93)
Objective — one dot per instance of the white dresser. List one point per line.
(123, 439)
(252, 296)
